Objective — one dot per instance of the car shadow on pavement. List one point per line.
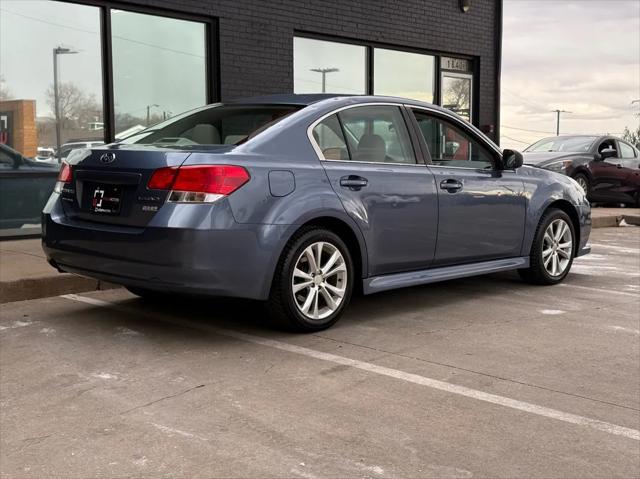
(251, 316)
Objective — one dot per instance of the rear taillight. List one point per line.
(199, 183)
(65, 176)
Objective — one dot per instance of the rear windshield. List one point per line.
(214, 125)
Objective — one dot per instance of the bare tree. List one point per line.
(457, 96)
(632, 136)
(77, 108)
(5, 93)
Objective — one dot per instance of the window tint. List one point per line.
(220, 125)
(377, 134)
(626, 151)
(450, 146)
(329, 137)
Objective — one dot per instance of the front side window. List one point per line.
(328, 67)
(449, 145)
(159, 68)
(626, 151)
(217, 125)
(377, 134)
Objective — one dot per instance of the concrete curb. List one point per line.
(34, 288)
(613, 221)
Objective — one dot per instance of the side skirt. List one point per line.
(426, 276)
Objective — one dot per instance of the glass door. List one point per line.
(456, 91)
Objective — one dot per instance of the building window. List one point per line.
(404, 74)
(159, 68)
(328, 67)
(51, 98)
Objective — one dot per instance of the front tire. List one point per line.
(552, 251)
(583, 181)
(313, 281)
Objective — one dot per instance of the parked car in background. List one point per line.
(47, 155)
(25, 186)
(606, 167)
(299, 200)
(69, 147)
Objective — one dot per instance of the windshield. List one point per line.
(215, 125)
(577, 144)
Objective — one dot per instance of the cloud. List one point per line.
(581, 56)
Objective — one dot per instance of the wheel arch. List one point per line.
(340, 226)
(570, 210)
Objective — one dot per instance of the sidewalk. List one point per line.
(25, 273)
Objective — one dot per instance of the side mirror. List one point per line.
(511, 159)
(608, 153)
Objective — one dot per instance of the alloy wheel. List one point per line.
(582, 181)
(319, 280)
(557, 247)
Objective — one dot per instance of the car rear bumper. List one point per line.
(237, 261)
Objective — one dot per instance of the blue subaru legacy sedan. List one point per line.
(299, 201)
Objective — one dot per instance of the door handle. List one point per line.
(451, 185)
(354, 182)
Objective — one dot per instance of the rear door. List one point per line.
(481, 210)
(109, 185)
(382, 183)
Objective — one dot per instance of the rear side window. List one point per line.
(330, 138)
(626, 151)
(377, 134)
(218, 125)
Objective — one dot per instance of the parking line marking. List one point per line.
(599, 290)
(383, 371)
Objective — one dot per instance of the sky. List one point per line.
(582, 56)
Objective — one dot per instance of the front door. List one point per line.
(481, 210)
(373, 168)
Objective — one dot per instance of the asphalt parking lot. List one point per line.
(482, 377)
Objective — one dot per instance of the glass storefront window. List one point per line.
(456, 93)
(403, 74)
(328, 67)
(159, 69)
(35, 35)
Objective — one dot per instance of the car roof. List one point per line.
(331, 99)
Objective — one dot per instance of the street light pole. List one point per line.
(324, 72)
(149, 112)
(56, 96)
(557, 112)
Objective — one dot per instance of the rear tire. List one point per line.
(552, 250)
(313, 281)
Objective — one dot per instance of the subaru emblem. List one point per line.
(108, 158)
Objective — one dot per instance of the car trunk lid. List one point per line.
(109, 185)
